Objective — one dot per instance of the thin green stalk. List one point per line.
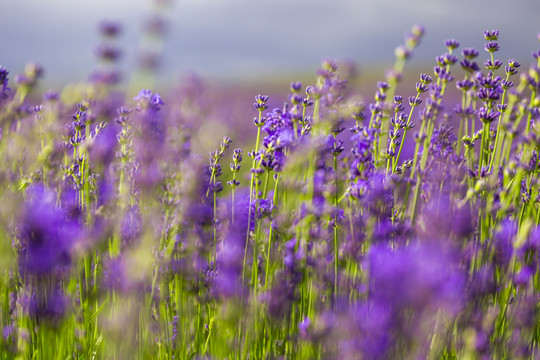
(252, 180)
(483, 146)
(270, 233)
(336, 242)
(405, 133)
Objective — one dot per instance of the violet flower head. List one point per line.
(464, 85)
(451, 44)
(46, 234)
(260, 102)
(148, 100)
(51, 96)
(469, 53)
(296, 87)
(329, 65)
(3, 83)
(503, 242)
(49, 306)
(492, 35)
(443, 141)
(418, 30)
(492, 47)
(228, 280)
(106, 77)
(422, 276)
(487, 116)
(425, 79)
(108, 53)
(110, 28)
(469, 66)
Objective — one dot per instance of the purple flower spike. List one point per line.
(420, 276)
(108, 53)
(110, 28)
(492, 35)
(492, 47)
(3, 83)
(469, 53)
(451, 44)
(147, 100)
(46, 234)
(296, 87)
(487, 117)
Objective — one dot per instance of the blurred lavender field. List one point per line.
(382, 206)
(239, 40)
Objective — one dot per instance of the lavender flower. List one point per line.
(46, 234)
(4, 83)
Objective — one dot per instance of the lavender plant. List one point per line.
(399, 238)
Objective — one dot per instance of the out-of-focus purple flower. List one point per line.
(422, 276)
(131, 225)
(503, 242)
(107, 77)
(469, 66)
(264, 208)
(108, 53)
(371, 330)
(49, 307)
(51, 96)
(103, 149)
(110, 28)
(116, 275)
(443, 141)
(46, 233)
(228, 282)
(148, 100)
(156, 25)
(469, 53)
(303, 327)
(3, 83)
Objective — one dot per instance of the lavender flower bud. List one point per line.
(486, 116)
(296, 87)
(402, 52)
(470, 53)
(464, 85)
(108, 52)
(49, 96)
(421, 88)
(110, 29)
(493, 65)
(451, 44)
(425, 79)
(491, 35)
(306, 102)
(492, 47)
(383, 86)
(413, 101)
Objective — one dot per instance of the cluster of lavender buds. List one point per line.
(413, 235)
(108, 54)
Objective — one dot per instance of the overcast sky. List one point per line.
(234, 38)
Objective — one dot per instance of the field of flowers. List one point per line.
(402, 226)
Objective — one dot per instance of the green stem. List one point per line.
(404, 134)
(336, 246)
(270, 233)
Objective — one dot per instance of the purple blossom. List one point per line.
(3, 83)
(46, 234)
(422, 276)
(148, 100)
